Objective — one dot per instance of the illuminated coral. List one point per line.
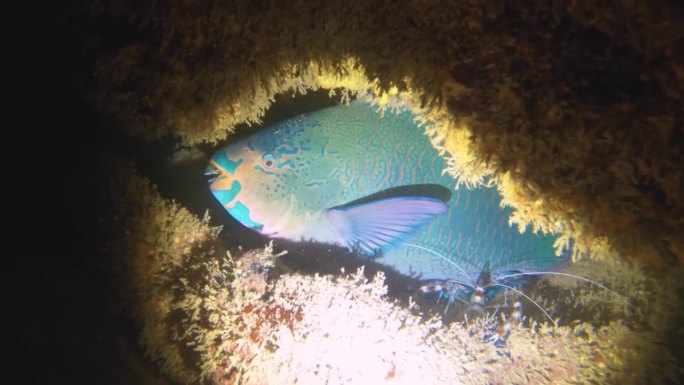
(345, 330)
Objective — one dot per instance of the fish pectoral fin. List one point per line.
(374, 226)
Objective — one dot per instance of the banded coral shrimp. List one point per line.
(498, 293)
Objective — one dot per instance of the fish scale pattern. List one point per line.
(392, 151)
(342, 154)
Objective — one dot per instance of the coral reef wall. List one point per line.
(574, 107)
(205, 316)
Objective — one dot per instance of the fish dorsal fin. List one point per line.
(373, 226)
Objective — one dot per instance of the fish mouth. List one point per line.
(224, 188)
(212, 172)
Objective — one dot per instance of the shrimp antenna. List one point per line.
(441, 256)
(528, 298)
(572, 276)
(452, 300)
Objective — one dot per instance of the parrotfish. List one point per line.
(346, 175)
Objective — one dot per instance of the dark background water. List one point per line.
(58, 324)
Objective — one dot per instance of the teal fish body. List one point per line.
(345, 175)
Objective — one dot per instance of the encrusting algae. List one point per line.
(208, 317)
(153, 239)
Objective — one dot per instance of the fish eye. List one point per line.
(268, 161)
